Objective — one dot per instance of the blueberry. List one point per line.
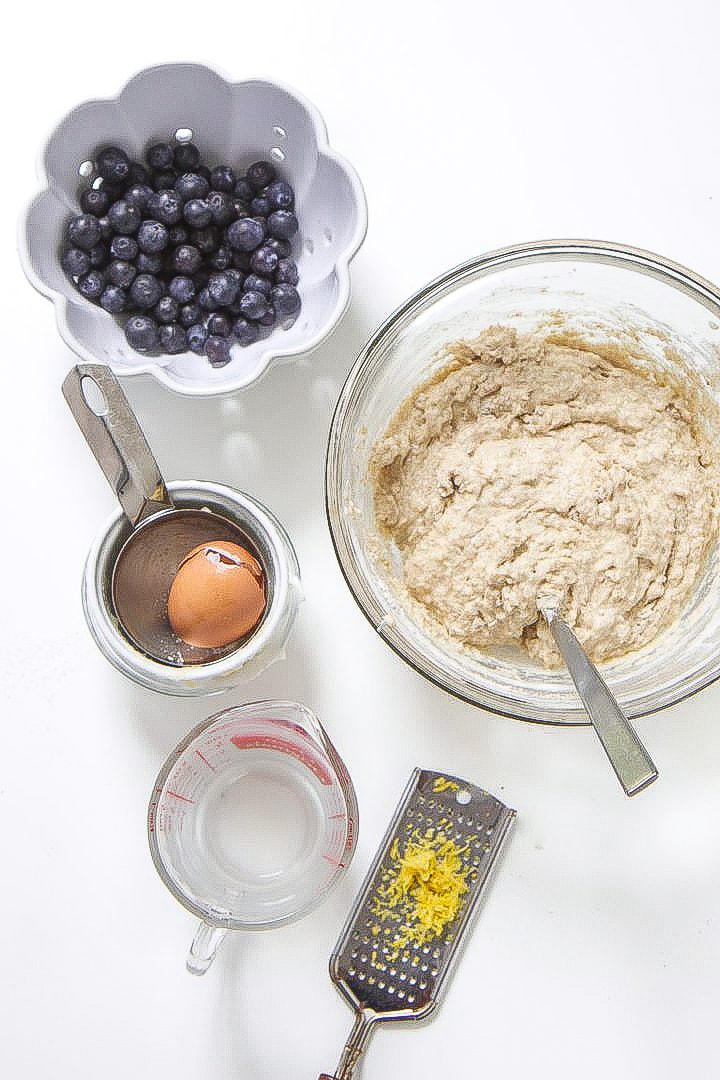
(186, 259)
(138, 173)
(280, 195)
(217, 350)
(113, 164)
(268, 319)
(91, 285)
(197, 213)
(246, 333)
(106, 230)
(253, 305)
(286, 299)
(191, 186)
(152, 237)
(282, 248)
(245, 191)
(196, 337)
(139, 195)
(260, 206)
(189, 314)
(159, 156)
(166, 310)
(113, 299)
(206, 240)
(222, 178)
(75, 262)
(84, 231)
(173, 339)
(282, 224)
(260, 174)
(113, 191)
(219, 324)
(206, 301)
(120, 272)
(123, 247)
(255, 283)
(124, 217)
(164, 181)
(263, 261)
(149, 264)
(178, 234)
(286, 272)
(98, 256)
(182, 288)
(141, 333)
(165, 206)
(222, 288)
(222, 258)
(186, 156)
(221, 207)
(95, 201)
(145, 291)
(245, 234)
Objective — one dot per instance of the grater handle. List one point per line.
(357, 1041)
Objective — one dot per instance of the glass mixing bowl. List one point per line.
(661, 313)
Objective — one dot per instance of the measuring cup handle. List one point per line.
(117, 441)
(205, 945)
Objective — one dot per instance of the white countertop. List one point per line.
(598, 950)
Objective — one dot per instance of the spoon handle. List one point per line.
(627, 755)
(121, 450)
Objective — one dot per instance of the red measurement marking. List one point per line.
(334, 817)
(273, 742)
(182, 797)
(203, 758)
(335, 862)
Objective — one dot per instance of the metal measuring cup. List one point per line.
(132, 563)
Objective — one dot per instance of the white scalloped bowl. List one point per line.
(232, 123)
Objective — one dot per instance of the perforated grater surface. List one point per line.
(382, 981)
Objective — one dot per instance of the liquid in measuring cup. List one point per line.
(254, 817)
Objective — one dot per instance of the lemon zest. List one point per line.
(440, 784)
(421, 891)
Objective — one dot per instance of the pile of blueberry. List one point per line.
(198, 258)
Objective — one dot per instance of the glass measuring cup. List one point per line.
(252, 820)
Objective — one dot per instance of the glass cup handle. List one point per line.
(205, 945)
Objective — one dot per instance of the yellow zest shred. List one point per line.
(440, 784)
(421, 891)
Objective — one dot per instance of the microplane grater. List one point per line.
(407, 986)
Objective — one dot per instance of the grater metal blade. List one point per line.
(380, 981)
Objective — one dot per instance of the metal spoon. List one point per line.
(627, 755)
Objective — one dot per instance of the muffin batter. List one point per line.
(526, 467)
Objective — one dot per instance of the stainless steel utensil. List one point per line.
(379, 985)
(627, 755)
(162, 534)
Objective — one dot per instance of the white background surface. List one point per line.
(472, 125)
